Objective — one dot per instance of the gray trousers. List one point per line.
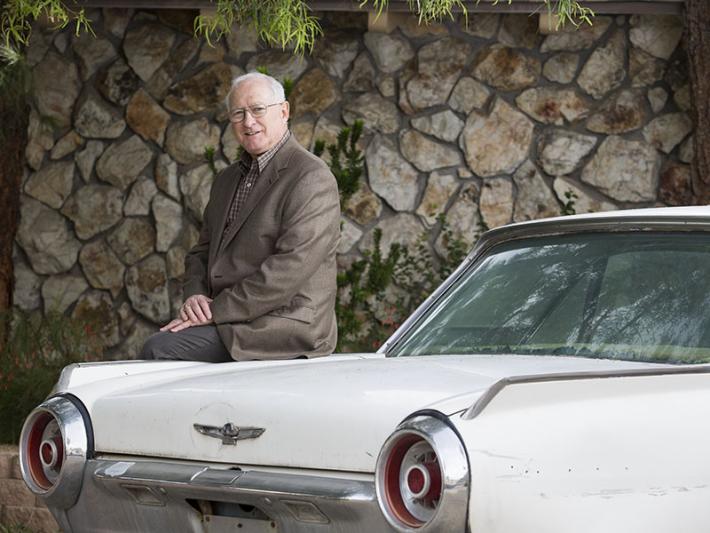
(198, 343)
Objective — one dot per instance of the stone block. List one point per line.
(35, 519)
(6, 461)
(16, 472)
(14, 493)
(385, 22)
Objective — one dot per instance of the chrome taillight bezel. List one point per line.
(75, 448)
(451, 511)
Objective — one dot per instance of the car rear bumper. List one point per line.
(150, 496)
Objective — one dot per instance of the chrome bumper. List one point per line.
(151, 496)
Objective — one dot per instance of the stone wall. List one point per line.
(17, 504)
(489, 123)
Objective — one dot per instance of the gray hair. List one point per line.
(276, 88)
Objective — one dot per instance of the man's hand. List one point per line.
(196, 309)
(194, 312)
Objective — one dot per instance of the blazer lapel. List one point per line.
(262, 185)
(226, 200)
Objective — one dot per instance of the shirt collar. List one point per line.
(247, 160)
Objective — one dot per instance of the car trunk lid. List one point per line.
(315, 414)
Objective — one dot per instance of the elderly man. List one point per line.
(260, 282)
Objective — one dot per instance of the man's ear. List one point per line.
(285, 110)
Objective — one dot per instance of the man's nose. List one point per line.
(248, 118)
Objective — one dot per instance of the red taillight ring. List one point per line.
(424, 481)
(34, 450)
(50, 468)
(422, 477)
(51, 453)
(392, 472)
(418, 480)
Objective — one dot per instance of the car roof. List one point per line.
(608, 220)
(692, 212)
(686, 218)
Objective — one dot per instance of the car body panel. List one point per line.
(626, 453)
(302, 429)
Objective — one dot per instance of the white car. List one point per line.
(558, 382)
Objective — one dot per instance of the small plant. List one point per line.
(208, 154)
(420, 273)
(287, 83)
(37, 349)
(347, 173)
(288, 87)
(376, 294)
(360, 288)
(15, 528)
(365, 315)
(568, 208)
(570, 11)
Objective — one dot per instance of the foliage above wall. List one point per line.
(18, 16)
(282, 23)
(429, 11)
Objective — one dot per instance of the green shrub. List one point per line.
(361, 289)
(14, 528)
(347, 173)
(37, 349)
(568, 207)
(367, 315)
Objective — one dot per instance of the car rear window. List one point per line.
(630, 296)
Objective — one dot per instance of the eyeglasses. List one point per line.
(256, 111)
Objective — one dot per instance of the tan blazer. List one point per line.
(273, 275)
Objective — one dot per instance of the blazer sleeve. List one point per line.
(196, 260)
(195, 281)
(310, 230)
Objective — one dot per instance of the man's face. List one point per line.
(258, 134)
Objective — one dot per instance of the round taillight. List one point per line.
(412, 480)
(45, 450)
(417, 481)
(423, 481)
(422, 477)
(54, 447)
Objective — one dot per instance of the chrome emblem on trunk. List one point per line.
(229, 433)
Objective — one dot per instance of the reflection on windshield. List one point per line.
(630, 296)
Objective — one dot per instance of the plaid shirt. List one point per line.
(251, 168)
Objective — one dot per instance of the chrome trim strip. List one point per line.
(499, 385)
(547, 228)
(450, 514)
(75, 437)
(253, 482)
